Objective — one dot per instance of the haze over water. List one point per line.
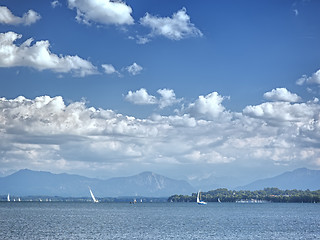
(34, 220)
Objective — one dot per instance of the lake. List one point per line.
(63, 220)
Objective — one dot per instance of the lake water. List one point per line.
(61, 220)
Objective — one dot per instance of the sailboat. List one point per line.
(93, 198)
(199, 199)
(219, 200)
(8, 198)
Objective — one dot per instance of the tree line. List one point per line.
(268, 194)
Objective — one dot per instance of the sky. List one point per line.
(192, 90)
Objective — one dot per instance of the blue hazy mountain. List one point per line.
(27, 182)
(148, 184)
(300, 179)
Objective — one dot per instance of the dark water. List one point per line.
(30, 220)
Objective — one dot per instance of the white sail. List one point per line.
(93, 198)
(8, 197)
(199, 199)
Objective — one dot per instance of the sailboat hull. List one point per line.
(199, 201)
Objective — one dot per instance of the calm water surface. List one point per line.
(30, 220)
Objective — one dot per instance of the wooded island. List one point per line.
(268, 195)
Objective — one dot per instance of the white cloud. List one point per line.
(102, 11)
(175, 28)
(209, 157)
(6, 17)
(109, 69)
(279, 113)
(209, 106)
(142, 40)
(141, 97)
(281, 94)
(55, 4)
(168, 98)
(39, 56)
(45, 131)
(134, 69)
(314, 79)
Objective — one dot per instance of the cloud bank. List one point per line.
(46, 131)
(39, 56)
(7, 17)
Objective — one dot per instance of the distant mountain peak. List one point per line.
(301, 179)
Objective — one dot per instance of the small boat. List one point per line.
(93, 198)
(8, 198)
(199, 199)
(219, 200)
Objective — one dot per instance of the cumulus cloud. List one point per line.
(281, 94)
(141, 97)
(209, 106)
(39, 56)
(168, 98)
(7, 17)
(313, 79)
(176, 27)
(102, 12)
(284, 112)
(134, 69)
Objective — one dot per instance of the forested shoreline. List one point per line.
(268, 195)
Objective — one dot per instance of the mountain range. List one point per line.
(27, 182)
(147, 184)
(301, 179)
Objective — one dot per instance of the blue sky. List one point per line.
(188, 89)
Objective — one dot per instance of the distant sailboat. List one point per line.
(219, 200)
(8, 198)
(199, 199)
(93, 198)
